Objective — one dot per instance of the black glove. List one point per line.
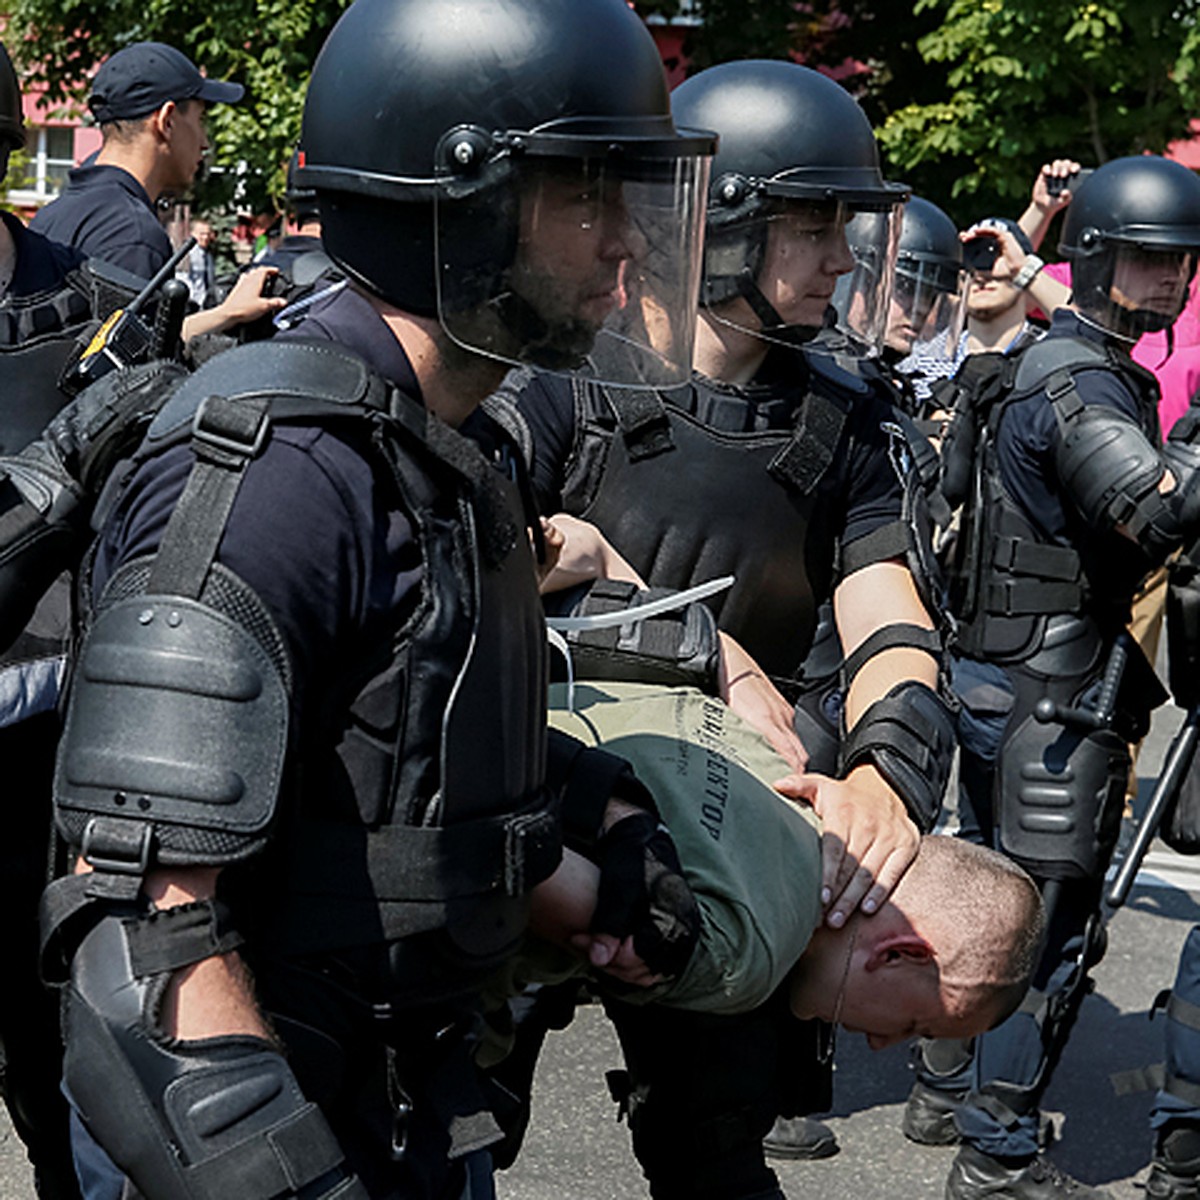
(106, 421)
(642, 892)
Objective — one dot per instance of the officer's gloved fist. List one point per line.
(642, 894)
(106, 421)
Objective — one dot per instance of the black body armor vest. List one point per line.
(684, 500)
(1007, 578)
(39, 337)
(417, 817)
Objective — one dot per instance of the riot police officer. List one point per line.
(308, 734)
(927, 297)
(777, 466)
(1072, 503)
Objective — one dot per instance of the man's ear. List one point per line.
(162, 120)
(896, 949)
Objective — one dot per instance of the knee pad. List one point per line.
(1061, 797)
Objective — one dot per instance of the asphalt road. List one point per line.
(576, 1150)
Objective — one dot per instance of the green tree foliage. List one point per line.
(267, 45)
(1028, 80)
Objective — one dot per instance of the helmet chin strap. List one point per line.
(770, 320)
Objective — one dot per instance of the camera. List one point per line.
(980, 253)
(1057, 184)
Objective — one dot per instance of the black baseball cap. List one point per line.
(136, 81)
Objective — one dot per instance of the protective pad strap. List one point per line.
(889, 637)
(887, 542)
(168, 939)
(909, 737)
(677, 648)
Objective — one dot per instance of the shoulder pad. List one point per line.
(1052, 354)
(303, 377)
(840, 373)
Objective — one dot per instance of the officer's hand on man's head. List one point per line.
(868, 841)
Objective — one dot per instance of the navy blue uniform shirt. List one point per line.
(312, 531)
(107, 214)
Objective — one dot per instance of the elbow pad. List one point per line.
(203, 1120)
(908, 736)
(678, 648)
(1112, 471)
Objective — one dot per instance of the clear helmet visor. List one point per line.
(861, 300)
(927, 303)
(1147, 289)
(772, 273)
(586, 266)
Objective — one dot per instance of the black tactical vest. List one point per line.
(1007, 578)
(38, 335)
(684, 501)
(415, 814)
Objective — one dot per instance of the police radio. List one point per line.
(125, 339)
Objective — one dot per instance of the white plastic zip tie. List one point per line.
(640, 612)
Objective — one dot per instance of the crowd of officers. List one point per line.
(275, 685)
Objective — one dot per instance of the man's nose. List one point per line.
(840, 259)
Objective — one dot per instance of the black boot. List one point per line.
(929, 1115)
(977, 1176)
(1175, 1171)
(800, 1137)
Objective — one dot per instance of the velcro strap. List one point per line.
(1184, 1089)
(807, 455)
(408, 863)
(888, 541)
(282, 1161)
(890, 637)
(1061, 392)
(1139, 1079)
(883, 730)
(167, 939)
(1007, 1111)
(908, 736)
(644, 423)
(1184, 1012)
(1028, 597)
(1025, 557)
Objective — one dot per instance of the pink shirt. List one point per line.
(1178, 373)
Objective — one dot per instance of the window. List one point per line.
(51, 154)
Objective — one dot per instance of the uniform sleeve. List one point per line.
(548, 406)
(874, 475)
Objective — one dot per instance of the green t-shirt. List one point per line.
(752, 858)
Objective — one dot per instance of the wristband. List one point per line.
(1028, 272)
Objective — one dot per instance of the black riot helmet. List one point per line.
(12, 122)
(930, 282)
(1132, 234)
(466, 153)
(792, 141)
